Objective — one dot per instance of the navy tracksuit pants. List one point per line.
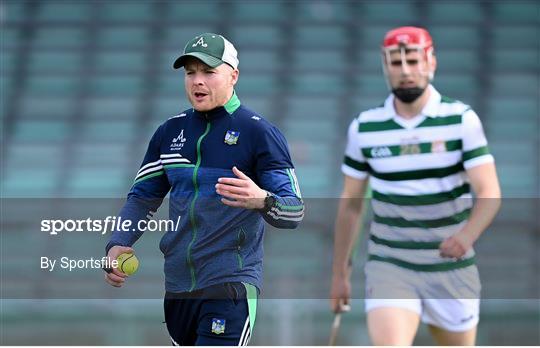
(214, 316)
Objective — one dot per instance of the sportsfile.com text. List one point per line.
(110, 223)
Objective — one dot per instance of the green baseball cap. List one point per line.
(212, 49)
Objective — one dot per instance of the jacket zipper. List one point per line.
(240, 241)
(192, 208)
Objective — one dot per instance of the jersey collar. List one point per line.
(228, 109)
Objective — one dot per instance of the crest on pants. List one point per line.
(218, 326)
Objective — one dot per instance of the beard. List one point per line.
(408, 95)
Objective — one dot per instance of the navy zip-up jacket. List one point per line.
(214, 243)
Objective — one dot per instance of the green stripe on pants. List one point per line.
(252, 304)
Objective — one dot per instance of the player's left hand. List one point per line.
(240, 192)
(456, 246)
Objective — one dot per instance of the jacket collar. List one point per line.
(226, 110)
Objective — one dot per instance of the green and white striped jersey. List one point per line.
(417, 174)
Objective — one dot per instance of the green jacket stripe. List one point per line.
(151, 175)
(192, 209)
(289, 207)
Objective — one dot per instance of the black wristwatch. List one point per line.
(269, 202)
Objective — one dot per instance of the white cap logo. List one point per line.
(200, 42)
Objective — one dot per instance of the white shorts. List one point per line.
(449, 300)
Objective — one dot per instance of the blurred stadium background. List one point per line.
(85, 83)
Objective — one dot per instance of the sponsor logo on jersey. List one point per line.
(381, 151)
(178, 142)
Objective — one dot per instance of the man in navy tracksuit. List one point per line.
(227, 169)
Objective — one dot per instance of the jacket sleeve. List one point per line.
(275, 173)
(146, 194)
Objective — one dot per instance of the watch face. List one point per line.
(269, 201)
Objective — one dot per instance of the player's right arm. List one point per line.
(356, 170)
(346, 230)
(149, 188)
(114, 276)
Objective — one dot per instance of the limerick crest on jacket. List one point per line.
(231, 137)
